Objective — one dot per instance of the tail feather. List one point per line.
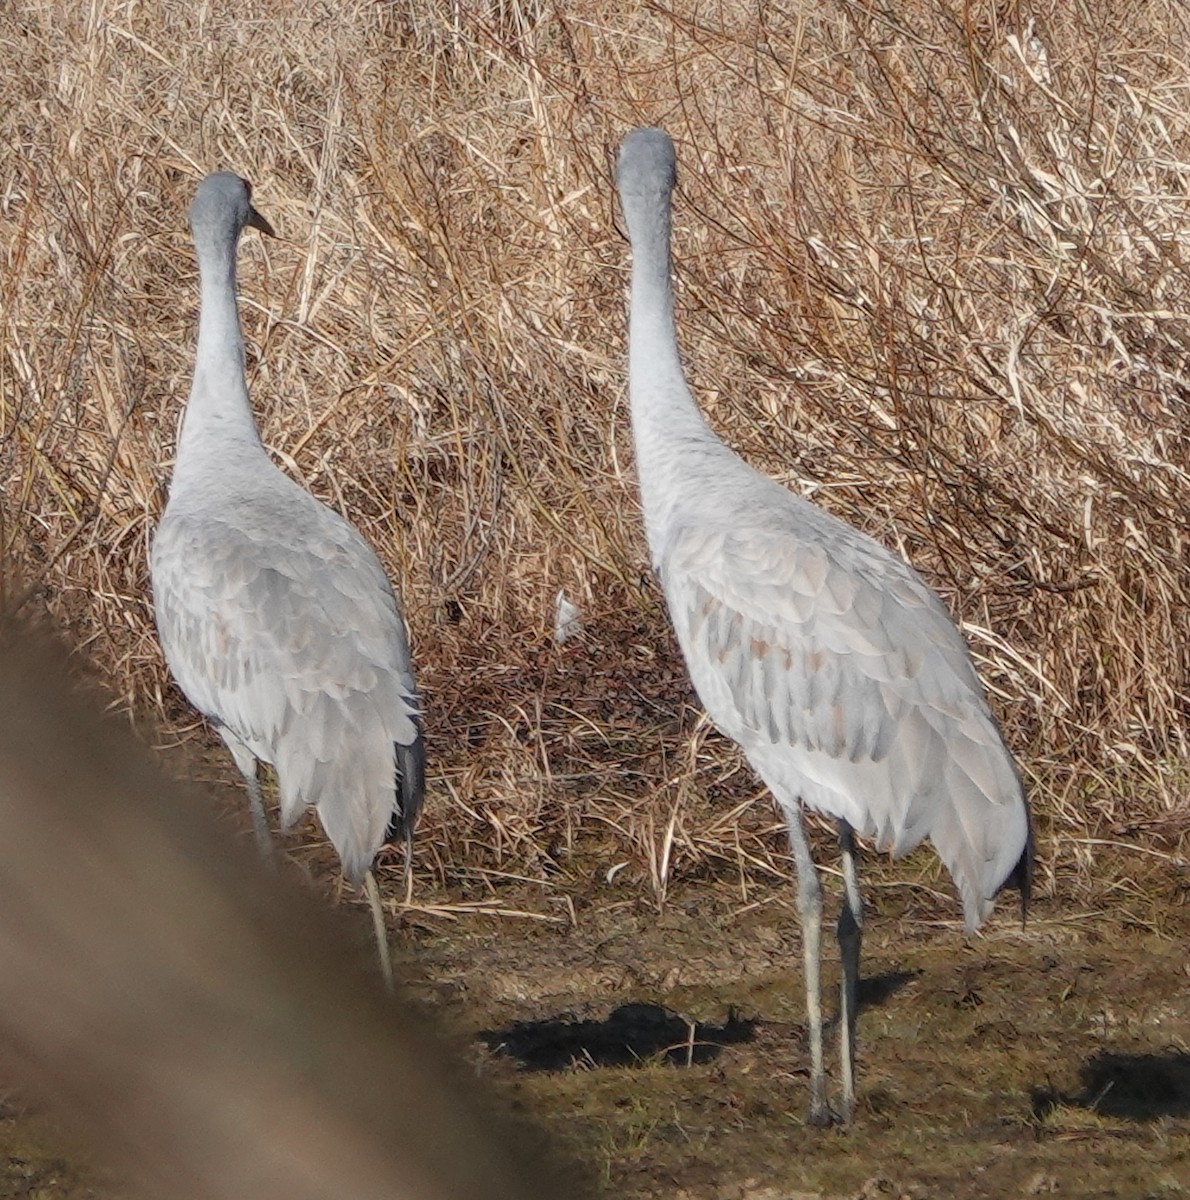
(411, 787)
(1021, 876)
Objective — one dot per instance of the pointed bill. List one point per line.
(258, 222)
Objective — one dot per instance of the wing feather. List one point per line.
(849, 687)
(300, 654)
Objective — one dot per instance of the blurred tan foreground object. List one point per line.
(203, 1025)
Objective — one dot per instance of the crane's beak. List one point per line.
(258, 222)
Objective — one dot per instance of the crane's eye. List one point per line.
(247, 186)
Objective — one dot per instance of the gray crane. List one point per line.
(825, 657)
(276, 617)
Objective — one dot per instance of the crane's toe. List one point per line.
(821, 1115)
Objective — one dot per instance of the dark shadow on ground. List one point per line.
(873, 992)
(878, 989)
(632, 1035)
(1137, 1087)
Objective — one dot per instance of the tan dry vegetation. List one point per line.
(930, 269)
(931, 263)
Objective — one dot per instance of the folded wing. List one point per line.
(301, 655)
(851, 690)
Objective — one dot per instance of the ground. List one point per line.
(1053, 1058)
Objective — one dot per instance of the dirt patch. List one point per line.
(39, 1161)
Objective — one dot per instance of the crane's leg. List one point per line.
(409, 868)
(249, 769)
(380, 930)
(851, 935)
(260, 822)
(809, 907)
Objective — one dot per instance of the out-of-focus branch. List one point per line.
(202, 1024)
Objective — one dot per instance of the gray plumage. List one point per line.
(275, 616)
(827, 658)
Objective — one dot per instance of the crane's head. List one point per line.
(647, 165)
(222, 207)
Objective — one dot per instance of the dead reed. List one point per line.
(930, 269)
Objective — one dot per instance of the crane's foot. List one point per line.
(823, 1116)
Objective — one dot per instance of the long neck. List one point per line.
(218, 413)
(662, 407)
(674, 445)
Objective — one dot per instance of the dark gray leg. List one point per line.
(851, 934)
(809, 907)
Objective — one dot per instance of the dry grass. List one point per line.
(930, 271)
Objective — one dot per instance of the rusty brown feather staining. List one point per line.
(760, 649)
(222, 638)
(707, 608)
(815, 660)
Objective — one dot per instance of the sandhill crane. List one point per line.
(276, 617)
(827, 658)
